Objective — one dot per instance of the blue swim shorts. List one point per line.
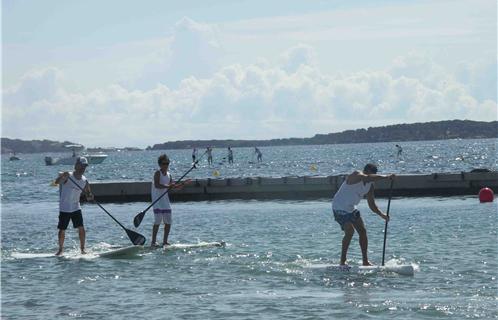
(343, 217)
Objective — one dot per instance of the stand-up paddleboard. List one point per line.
(402, 269)
(45, 255)
(125, 252)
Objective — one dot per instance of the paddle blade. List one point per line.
(136, 238)
(138, 219)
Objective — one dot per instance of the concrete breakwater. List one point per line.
(298, 188)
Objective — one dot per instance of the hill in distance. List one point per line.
(438, 130)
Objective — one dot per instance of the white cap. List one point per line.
(82, 160)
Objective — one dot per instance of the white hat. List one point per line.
(82, 160)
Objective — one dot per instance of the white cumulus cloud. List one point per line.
(254, 101)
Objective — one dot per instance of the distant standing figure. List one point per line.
(210, 155)
(230, 155)
(400, 150)
(194, 155)
(353, 189)
(69, 201)
(259, 154)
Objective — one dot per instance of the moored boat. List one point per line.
(92, 158)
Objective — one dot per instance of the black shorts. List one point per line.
(64, 218)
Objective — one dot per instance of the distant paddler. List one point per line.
(400, 150)
(259, 154)
(69, 201)
(230, 155)
(353, 189)
(209, 152)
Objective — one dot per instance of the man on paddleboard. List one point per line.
(69, 201)
(161, 184)
(353, 189)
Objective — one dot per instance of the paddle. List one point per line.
(136, 238)
(385, 227)
(140, 216)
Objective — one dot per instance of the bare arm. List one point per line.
(373, 206)
(358, 176)
(62, 178)
(88, 192)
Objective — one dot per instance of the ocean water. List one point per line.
(265, 270)
(29, 179)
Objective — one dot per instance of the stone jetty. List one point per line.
(299, 188)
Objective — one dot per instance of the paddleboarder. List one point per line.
(209, 152)
(353, 189)
(69, 201)
(230, 155)
(162, 209)
(259, 154)
(400, 150)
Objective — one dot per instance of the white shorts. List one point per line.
(162, 216)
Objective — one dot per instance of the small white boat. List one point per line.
(92, 158)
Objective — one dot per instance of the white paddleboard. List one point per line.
(129, 251)
(112, 253)
(402, 269)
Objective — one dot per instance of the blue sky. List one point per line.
(129, 73)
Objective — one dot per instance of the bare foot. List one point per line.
(368, 263)
(166, 244)
(154, 245)
(83, 251)
(59, 252)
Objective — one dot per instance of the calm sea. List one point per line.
(264, 271)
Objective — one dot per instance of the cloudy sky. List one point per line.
(135, 73)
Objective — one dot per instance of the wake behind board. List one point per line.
(187, 246)
(180, 246)
(402, 269)
(28, 255)
(129, 251)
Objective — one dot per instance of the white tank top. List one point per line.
(163, 204)
(69, 194)
(349, 195)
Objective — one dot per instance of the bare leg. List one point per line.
(155, 228)
(362, 232)
(82, 234)
(167, 228)
(61, 236)
(346, 240)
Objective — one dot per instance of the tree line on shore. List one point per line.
(437, 130)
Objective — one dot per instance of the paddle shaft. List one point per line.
(191, 168)
(101, 207)
(385, 227)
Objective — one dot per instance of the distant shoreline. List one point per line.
(437, 130)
